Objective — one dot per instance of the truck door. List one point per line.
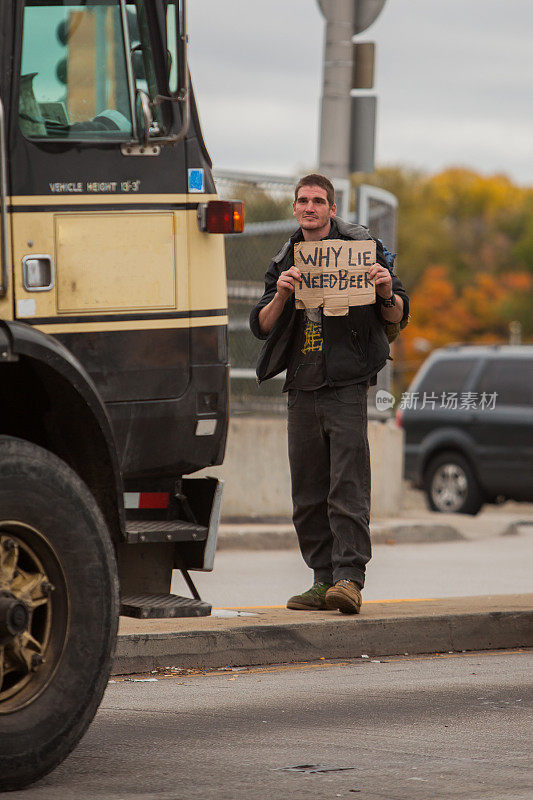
(99, 234)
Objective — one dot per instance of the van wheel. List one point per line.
(58, 610)
(451, 486)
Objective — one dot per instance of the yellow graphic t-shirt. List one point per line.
(306, 365)
(312, 337)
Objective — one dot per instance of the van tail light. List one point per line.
(221, 216)
(399, 418)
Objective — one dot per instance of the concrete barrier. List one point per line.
(256, 468)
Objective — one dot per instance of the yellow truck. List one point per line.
(113, 352)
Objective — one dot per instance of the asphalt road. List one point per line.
(455, 726)
(499, 565)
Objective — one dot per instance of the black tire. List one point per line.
(451, 486)
(51, 530)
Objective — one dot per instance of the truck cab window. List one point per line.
(142, 58)
(172, 39)
(73, 80)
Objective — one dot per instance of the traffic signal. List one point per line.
(362, 109)
(363, 65)
(62, 32)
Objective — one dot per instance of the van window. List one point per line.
(511, 379)
(447, 375)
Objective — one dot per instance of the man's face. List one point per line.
(312, 209)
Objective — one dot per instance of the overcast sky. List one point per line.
(454, 80)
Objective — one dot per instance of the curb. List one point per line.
(515, 528)
(246, 643)
(414, 533)
(257, 536)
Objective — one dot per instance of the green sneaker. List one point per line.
(314, 599)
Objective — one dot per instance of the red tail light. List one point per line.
(221, 216)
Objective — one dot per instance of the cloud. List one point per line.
(453, 78)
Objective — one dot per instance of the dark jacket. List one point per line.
(355, 346)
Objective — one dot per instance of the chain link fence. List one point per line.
(248, 255)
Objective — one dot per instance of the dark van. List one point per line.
(468, 421)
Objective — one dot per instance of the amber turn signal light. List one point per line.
(238, 217)
(221, 216)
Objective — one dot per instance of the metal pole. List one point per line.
(515, 332)
(4, 253)
(129, 69)
(335, 112)
(101, 59)
(347, 124)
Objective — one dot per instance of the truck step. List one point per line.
(150, 531)
(162, 606)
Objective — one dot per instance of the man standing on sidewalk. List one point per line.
(330, 362)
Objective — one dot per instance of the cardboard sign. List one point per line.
(335, 275)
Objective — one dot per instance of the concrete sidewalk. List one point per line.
(269, 635)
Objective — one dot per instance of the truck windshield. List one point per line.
(73, 77)
(73, 81)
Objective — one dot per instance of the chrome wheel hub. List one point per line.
(449, 487)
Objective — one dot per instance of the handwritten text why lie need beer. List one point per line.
(334, 274)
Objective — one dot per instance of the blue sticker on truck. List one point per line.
(196, 180)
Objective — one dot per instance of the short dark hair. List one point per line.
(316, 180)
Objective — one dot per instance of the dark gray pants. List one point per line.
(330, 474)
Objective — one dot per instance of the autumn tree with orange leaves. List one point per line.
(465, 257)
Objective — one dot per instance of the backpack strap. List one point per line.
(280, 255)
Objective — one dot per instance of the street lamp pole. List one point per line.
(347, 122)
(337, 77)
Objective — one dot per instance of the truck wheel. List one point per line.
(58, 610)
(451, 486)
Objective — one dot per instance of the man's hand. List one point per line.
(285, 284)
(269, 315)
(382, 279)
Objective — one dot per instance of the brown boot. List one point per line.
(346, 596)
